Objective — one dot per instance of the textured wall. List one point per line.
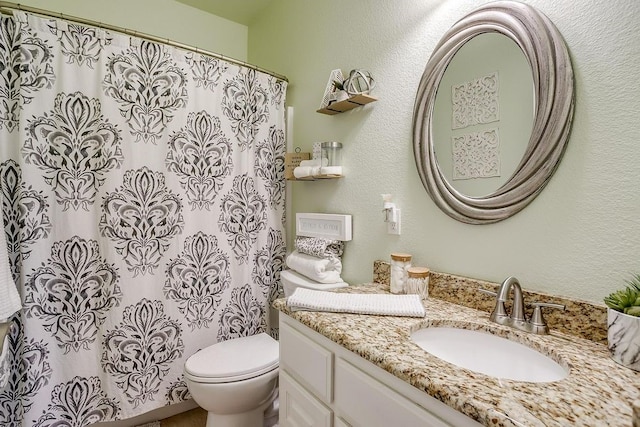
(162, 18)
(579, 238)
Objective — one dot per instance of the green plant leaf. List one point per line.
(635, 282)
(632, 311)
(619, 300)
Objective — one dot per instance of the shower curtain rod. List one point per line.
(8, 8)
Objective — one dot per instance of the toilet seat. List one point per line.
(233, 360)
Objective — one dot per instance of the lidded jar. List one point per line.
(418, 281)
(400, 262)
(332, 151)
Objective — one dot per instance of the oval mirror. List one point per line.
(484, 175)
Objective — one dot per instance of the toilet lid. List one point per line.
(234, 360)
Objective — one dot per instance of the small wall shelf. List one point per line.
(346, 105)
(315, 177)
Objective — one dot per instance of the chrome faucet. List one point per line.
(517, 318)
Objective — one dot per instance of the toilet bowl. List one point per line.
(234, 380)
(292, 280)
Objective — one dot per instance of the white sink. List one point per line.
(488, 354)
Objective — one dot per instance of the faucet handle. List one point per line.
(499, 311)
(488, 292)
(537, 320)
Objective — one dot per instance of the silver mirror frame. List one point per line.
(548, 57)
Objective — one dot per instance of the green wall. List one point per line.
(579, 238)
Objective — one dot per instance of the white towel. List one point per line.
(4, 358)
(9, 297)
(300, 281)
(381, 304)
(323, 270)
(306, 171)
(331, 170)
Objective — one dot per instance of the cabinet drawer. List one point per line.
(299, 408)
(357, 393)
(307, 361)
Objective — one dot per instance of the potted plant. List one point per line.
(623, 324)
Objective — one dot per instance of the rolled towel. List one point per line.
(380, 304)
(319, 247)
(323, 270)
(306, 171)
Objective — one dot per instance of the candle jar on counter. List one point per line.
(418, 281)
(399, 264)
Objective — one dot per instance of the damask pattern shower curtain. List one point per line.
(143, 204)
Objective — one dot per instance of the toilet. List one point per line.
(235, 381)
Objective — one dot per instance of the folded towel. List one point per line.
(9, 297)
(300, 281)
(319, 247)
(381, 304)
(331, 170)
(323, 270)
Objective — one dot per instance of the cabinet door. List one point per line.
(307, 361)
(365, 402)
(340, 423)
(299, 408)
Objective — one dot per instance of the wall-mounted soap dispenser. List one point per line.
(391, 214)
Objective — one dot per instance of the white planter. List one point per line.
(623, 335)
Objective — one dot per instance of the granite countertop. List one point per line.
(597, 391)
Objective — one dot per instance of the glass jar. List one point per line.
(418, 281)
(399, 264)
(332, 152)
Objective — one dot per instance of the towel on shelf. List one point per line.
(319, 247)
(379, 304)
(323, 270)
(306, 171)
(9, 297)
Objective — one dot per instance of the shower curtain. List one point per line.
(143, 205)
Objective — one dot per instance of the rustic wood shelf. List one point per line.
(316, 177)
(346, 105)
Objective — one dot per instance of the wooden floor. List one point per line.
(194, 418)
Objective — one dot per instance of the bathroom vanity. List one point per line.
(360, 370)
(323, 384)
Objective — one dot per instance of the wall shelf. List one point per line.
(316, 177)
(346, 105)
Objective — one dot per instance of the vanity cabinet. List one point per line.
(323, 384)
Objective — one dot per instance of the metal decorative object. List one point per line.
(359, 82)
(546, 51)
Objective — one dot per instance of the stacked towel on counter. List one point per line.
(301, 281)
(323, 270)
(319, 247)
(378, 304)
